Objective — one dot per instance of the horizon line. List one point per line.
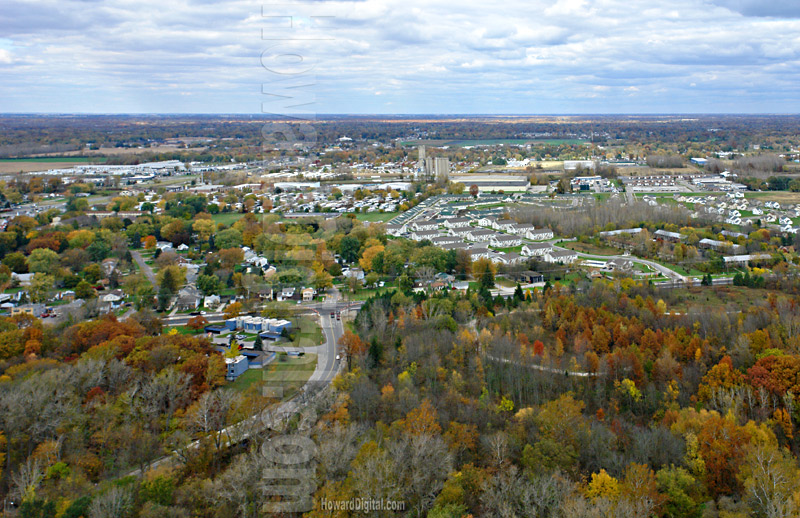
(304, 118)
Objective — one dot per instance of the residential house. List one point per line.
(456, 223)
(308, 294)
(674, 237)
(188, 299)
(539, 234)
(479, 252)
(719, 246)
(113, 299)
(429, 224)
(442, 240)
(744, 259)
(504, 224)
(461, 232)
(521, 229)
(481, 234)
(507, 258)
(421, 235)
(286, 294)
(561, 256)
(536, 249)
(396, 229)
(24, 279)
(358, 273)
(211, 301)
(619, 265)
(487, 221)
(504, 241)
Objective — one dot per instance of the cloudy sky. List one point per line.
(400, 56)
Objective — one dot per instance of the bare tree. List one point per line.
(117, 502)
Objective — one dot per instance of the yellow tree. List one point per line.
(233, 310)
(422, 420)
(204, 228)
(368, 256)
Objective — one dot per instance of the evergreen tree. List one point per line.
(164, 296)
(518, 294)
(258, 345)
(375, 352)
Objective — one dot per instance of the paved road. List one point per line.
(663, 270)
(326, 370)
(148, 272)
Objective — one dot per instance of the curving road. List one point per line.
(326, 370)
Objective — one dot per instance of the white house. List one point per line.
(504, 241)
(487, 221)
(539, 234)
(481, 234)
(536, 249)
(395, 230)
(506, 258)
(561, 256)
(425, 225)
(521, 229)
(456, 222)
(504, 224)
(419, 235)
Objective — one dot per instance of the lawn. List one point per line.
(375, 216)
(515, 249)
(50, 159)
(182, 330)
(779, 196)
(282, 378)
(247, 379)
(227, 218)
(364, 294)
(681, 299)
(589, 248)
(306, 332)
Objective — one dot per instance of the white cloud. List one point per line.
(418, 55)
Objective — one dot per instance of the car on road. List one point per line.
(338, 316)
(338, 357)
(333, 314)
(241, 337)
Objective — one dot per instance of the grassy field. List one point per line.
(227, 218)
(286, 375)
(367, 293)
(51, 159)
(588, 248)
(281, 378)
(307, 332)
(246, 380)
(717, 297)
(375, 216)
(779, 196)
(26, 165)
